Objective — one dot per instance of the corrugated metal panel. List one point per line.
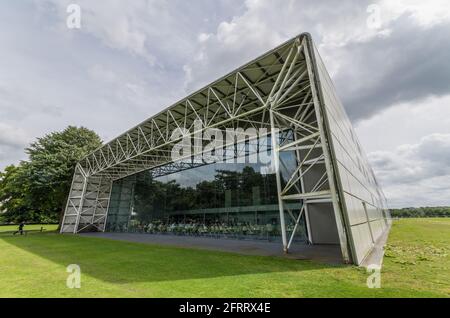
(362, 199)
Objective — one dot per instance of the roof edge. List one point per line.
(300, 36)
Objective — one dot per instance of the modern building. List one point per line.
(301, 179)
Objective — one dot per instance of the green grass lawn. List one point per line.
(416, 265)
(29, 227)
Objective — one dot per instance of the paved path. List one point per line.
(322, 253)
(375, 257)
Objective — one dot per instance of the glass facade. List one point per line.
(231, 200)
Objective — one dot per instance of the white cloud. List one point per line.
(364, 61)
(265, 23)
(102, 76)
(154, 30)
(118, 24)
(405, 123)
(100, 73)
(426, 13)
(13, 140)
(415, 174)
(409, 149)
(203, 37)
(12, 136)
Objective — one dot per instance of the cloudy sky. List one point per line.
(390, 61)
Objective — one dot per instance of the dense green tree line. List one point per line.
(36, 190)
(246, 187)
(422, 212)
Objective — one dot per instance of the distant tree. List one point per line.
(44, 180)
(14, 201)
(421, 212)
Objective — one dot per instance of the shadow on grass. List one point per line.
(124, 262)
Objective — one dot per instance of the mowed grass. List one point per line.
(416, 265)
(417, 255)
(29, 227)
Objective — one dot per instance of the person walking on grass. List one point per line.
(20, 230)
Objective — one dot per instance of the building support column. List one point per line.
(276, 166)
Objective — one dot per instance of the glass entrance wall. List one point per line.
(222, 199)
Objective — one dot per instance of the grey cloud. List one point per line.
(408, 65)
(430, 157)
(53, 77)
(7, 143)
(372, 69)
(12, 141)
(429, 192)
(411, 172)
(99, 78)
(55, 111)
(10, 155)
(265, 24)
(435, 148)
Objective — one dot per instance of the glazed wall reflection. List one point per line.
(232, 200)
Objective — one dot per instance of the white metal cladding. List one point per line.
(277, 91)
(363, 201)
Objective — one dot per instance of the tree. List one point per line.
(421, 212)
(15, 205)
(46, 177)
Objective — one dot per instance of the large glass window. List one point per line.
(233, 200)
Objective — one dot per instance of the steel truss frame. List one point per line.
(276, 91)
